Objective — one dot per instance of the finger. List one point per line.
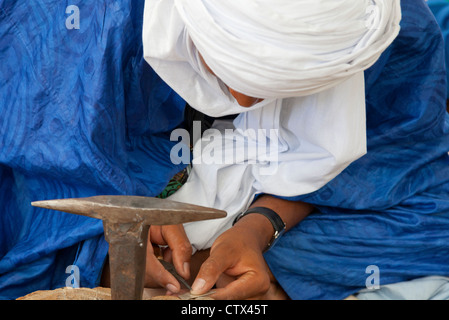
(249, 285)
(157, 275)
(210, 271)
(167, 254)
(180, 248)
(155, 235)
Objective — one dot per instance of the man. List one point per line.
(305, 68)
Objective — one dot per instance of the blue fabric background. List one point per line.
(391, 207)
(81, 114)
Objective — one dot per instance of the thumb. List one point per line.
(210, 271)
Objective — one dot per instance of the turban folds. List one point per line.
(305, 58)
(302, 47)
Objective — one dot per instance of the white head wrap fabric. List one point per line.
(305, 58)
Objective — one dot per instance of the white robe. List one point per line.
(305, 58)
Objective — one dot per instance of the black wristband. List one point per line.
(278, 225)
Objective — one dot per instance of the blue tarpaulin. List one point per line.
(81, 114)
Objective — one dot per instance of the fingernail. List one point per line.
(198, 285)
(186, 268)
(172, 288)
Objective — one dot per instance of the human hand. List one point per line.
(178, 251)
(236, 264)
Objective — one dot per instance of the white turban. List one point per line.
(304, 57)
(302, 47)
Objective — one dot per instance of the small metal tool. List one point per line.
(171, 268)
(126, 221)
(185, 296)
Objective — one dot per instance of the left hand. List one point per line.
(237, 254)
(236, 264)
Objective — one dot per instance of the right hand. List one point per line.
(178, 252)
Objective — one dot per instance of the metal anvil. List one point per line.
(126, 221)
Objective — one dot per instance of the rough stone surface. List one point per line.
(70, 294)
(98, 293)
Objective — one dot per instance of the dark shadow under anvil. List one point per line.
(126, 221)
